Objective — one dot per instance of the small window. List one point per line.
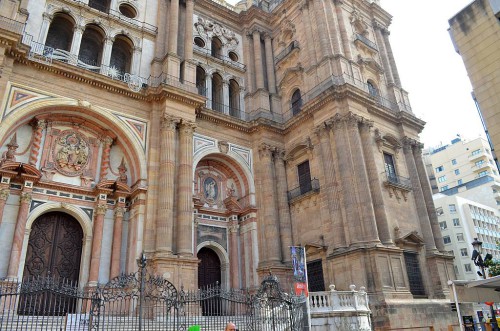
(440, 168)
(372, 89)
(479, 163)
(439, 211)
(441, 179)
(216, 47)
(443, 225)
(456, 269)
(296, 102)
(452, 208)
(199, 42)
(460, 237)
(456, 222)
(463, 252)
(483, 173)
(390, 169)
(127, 10)
(460, 182)
(447, 239)
(476, 152)
(304, 173)
(233, 56)
(457, 172)
(454, 161)
(468, 267)
(443, 188)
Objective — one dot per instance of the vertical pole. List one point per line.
(308, 306)
(142, 267)
(458, 307)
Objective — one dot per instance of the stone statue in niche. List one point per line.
(9, 154)
(231, 191)
(122, 170)
(71, 153)
(210, 189)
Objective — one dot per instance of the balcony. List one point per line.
(294, 45)
(304, 190)
(365, 41)
(477, 155)
(397, 185)
(225, 60)
(11, 25)
(481, 167)
(226, 109)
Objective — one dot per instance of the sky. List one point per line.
(430, 70)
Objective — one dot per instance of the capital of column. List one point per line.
(78, 28)
(256, 33)
(365, 124)
(408, 144)
(266, 151)
(187, 127)
(280, 155)
(119, 211)
(266, 35)
(322, 130)
(169, 123)
(25, 197)
(234, 227)
(41, 124)
(107, 141)
(418, 147)
(47, 16)
(101, 209)
(137, 49)
(4, 194)
(352, 120)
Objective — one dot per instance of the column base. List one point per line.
(172, 66)
(180, 271)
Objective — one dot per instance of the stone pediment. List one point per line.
(23, 170)
(409, 239)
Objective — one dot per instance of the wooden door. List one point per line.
(209, 275)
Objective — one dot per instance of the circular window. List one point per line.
(233, 56)
(127, 11)
(199, 42)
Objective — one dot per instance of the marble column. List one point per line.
(4, 195)
(136, 61)
(259, 68)
(271, 79)
(117, 241)
(247, 49)
(40, 125)
(374, 184)
(185, 189)
(225, 97)
(423, 217)
(322, 28)
(208, 86)
(272, 251)
(383, 53)
(364, 198)
(44, 29)
(346, 42)
(337, 236)
(106, 55)
(429, 202)
(75, 43)
(97, 235)
(107, 142)
(285, 220)
(233, 254)
(17, 243)
(242, 104)
(188, 38)
(173, 27)
(165, 215)
(392, 61)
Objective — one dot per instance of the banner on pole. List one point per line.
(299, 270)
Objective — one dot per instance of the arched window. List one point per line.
(101, 5)
(216, 47)
(296, 102)
(121, 54)
(201, 81)
(217, 95)
(199, 42)
(372, 89)
(234, 99)
(60, 32)
(91, 46)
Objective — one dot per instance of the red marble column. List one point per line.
(117, 241)
(17, 243)
(233, 254)
(37, 139)
(4, 195)
(95, 259)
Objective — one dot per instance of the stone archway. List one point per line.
(209, 269)
(54, 247)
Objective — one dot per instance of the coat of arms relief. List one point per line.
(71, 153)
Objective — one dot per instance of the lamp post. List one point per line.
(478, 261)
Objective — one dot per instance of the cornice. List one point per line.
(226, 14)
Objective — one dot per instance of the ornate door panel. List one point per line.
(209, 275)
(54, 250)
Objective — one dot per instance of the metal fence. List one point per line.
(143, 301)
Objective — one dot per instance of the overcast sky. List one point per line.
(430, 69)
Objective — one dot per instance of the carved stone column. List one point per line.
(364, 198)
(247, 49)
(173, 27)
(185, 189)
(107, 142)
(271, 79)
(283, 207)
(75, 43)
(117, 241)
(337, 236)
(17, 243)
(188, 38)
(233, 254)
(429, 202)
(394, 68)
(40, 125)
(165, 215)
(97, 234)
(332, 25)
(375, 185)
(208, 86)
(346, 43)
(4, 195)
(322, 30)
(242, 103)
(225, 97)
(259, 69)
(383, 53)
(423, 217)
(136, 61)
(106, 54)
(271, 252)
(44, 29)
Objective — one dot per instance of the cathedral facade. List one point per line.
(212, 138)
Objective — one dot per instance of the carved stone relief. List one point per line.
(208, 29)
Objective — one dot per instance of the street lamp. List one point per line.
(478, 261)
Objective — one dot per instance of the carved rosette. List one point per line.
(71, 153)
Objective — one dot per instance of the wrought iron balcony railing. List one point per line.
(224, 59)
(284, 53)
(365, 41)
(312, 186)
(398, 181)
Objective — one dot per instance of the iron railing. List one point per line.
(284, 53)
(312, 186)
(398, 181)
(144, 301)
(223, 58)
(365, 41)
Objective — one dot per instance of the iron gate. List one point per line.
(143, 301)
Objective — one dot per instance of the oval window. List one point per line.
(199, 42)
(233, 56)
(127, 11)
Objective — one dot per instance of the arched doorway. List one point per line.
(54, 247)
(209, 275)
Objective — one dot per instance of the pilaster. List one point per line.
(17, 243)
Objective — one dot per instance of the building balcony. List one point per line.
(303, 190)
(222, 59)
(294, 45)
(481, 167)
(477, 156)
(365, 41)
(398, 186)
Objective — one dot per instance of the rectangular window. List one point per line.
(442, 179)
(460, 181)
(452, 208)
(443, 188)
(477, 151)
(454, 161)
(467, 267)
(460, 237)
(456, 269)
(440, 168)
(443, 225)
(390, 169)
(483, 173)
(414, 274)
(315, 278)
(447, 239)
(304, 172)
(456, 222)
(479, 163)
(463, 252)
(457, 172)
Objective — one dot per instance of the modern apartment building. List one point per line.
(475, 32)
